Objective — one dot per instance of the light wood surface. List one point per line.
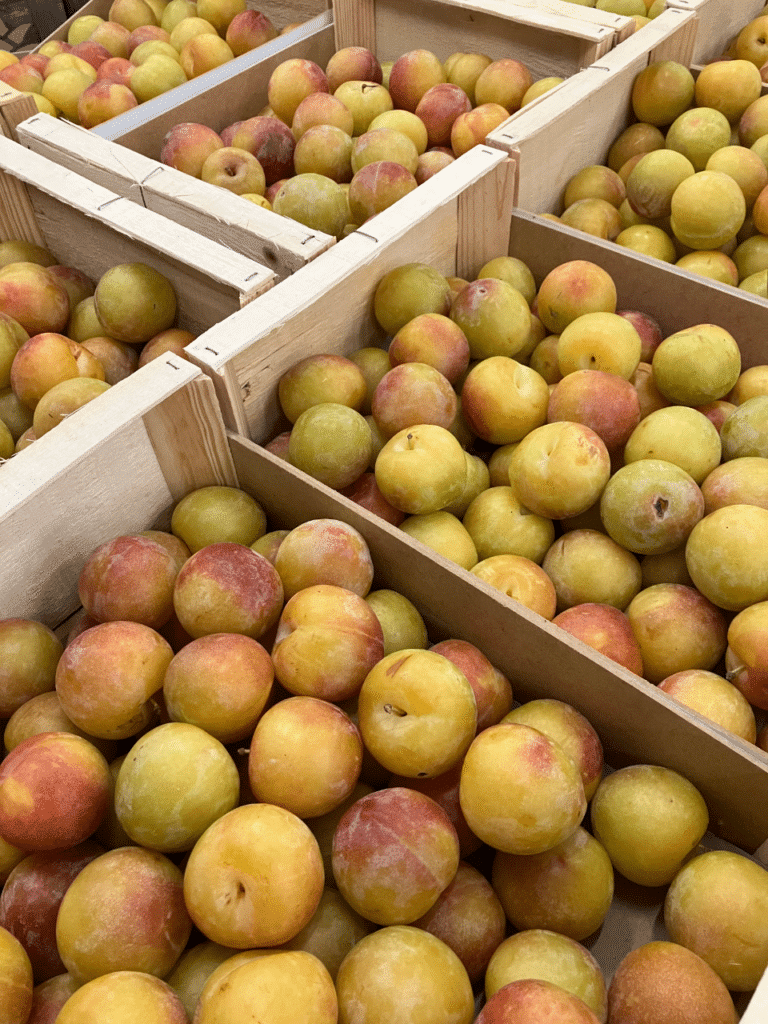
(278, 243)
(15, 107)
(580, 124)
(719, 21)
(548, 44)
(115, 466)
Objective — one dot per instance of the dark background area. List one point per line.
(24, 24)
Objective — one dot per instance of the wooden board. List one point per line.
(15, 107)
(91, 228)
(332, 296)
(113, 467)
(233, 92)
(718, 23)
(278, 243)
(581, 125)
(548, 44)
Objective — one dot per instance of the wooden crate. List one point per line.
(91, 228)
(133, 169)
(581, 127)
(548, 43)
(718, 23)
(173, 441)
(338, 316)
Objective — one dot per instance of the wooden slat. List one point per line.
(278, 243)
(97, 475)
(68, 209)
(15, 107)
(559, 47)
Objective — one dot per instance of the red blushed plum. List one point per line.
(430, 163)
(444, 790)
(742, 481)
(107, 676)
(649, 330)
(352, 64)
(124, 911)
(22, 77)
(566, 726)
(221, 683)
(320, 108)
(676, 628)
(247, 30)
(412, 75)
(567, 889)
(505, 82)
(49, 997)
(470, 129)
(376, 187)
(279, 445)
(532, 1002)
(272, 143)
(54, 791)
(492, 689)
(434, 339)
(29, 654)
(327, 641)
(394, 852)
(188, 145)
(116, 69)
(438, 108)
(520, 792)
(324, 551)
(309, 739)
(413, 393)
(494, 316)
(717, 412)
(747, 655)
(365, 491)
(227, 588)
(103, 100)
(571, 289)
(606, 629)
(254, 878)
(132, 578)
(33, 297)
(31, 898)
(605, 402)
(469, 918)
